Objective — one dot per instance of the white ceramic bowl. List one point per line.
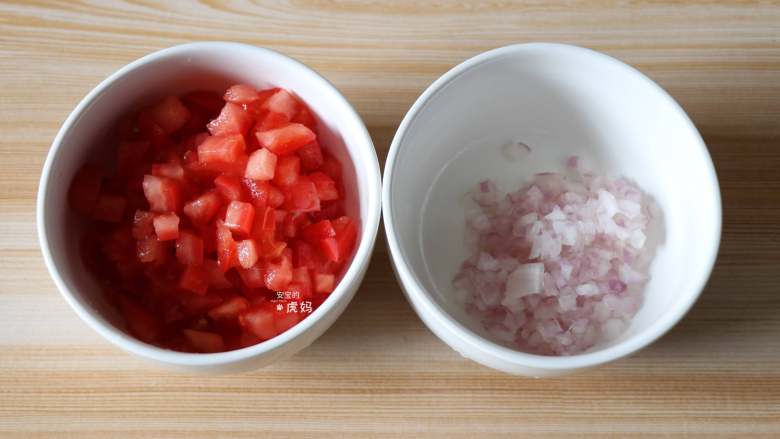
(206, 65)
(560, 100)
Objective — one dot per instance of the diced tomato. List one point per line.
(320, 230)
(140, 321)
(302, 196)
(331, 167)
(85, 188)
(288, 169)
(275, 197)
(194, 279)
(162, 193)
(261, 165)
(130, 156)
(226, 248)
(259, 320)
(330, 248)
(151, 131)
(229, 187)
(346, 234)
(293, 222)
(203, 208)
(166, 226)
(215, 275)
(252, 277)
(202, 341)
(206, 100)
(311, 156)
(264, 227)
(278, 274)
(282, 102)
(109, 208)
(221, 149)
(305, 255)
(239, 217)
(326, 187)
(241, 94)
(270, 121)
(150, 250)
(286, 321)
(305, 117)
(170, 114)
(229, 309)
(143, 226)
(170, 170)
(189, 248)
(301, 282)
(271, 221)
(231, 120)
(324, 283)
(247, 253)
(287, 139)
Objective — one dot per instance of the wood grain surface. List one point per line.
(378, 372)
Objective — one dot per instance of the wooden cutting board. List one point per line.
(378, 372)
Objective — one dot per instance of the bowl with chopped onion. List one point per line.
(570, 215)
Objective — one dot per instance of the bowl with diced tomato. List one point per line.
(211, 206)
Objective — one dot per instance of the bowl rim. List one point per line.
(437, 319)
(370, 224)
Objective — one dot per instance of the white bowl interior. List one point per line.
(209, 66)
(561, 101)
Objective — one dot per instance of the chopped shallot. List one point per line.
(560, 264)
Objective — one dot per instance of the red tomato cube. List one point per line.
(170, 114)
(239, 217)
(302, 196)
(202, 209)
(85, 189)
(166, 226)
(278, 274)
(305, 117)
(311, 156)
(259, 320)
(143, 226)
(109, 208)
(286, 321)
(208, 101)
(222, 149)
(206, 342)
(288, 169)
(140, 322)
(241, 94)
(194, 279)
(162, 193)
(261, 165)
(215, 275)
(231, 120)
(229, 187)
(170, 170)
(324, 283)
(282, 102)
(287, 139)
(226, 248)
(150, 250)
(247, 253)
(129, 156)
(229, 309)
(301, 282)
(326, 187)
(330, 248)
(313, 233)
(346, 234)
(189, 248)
